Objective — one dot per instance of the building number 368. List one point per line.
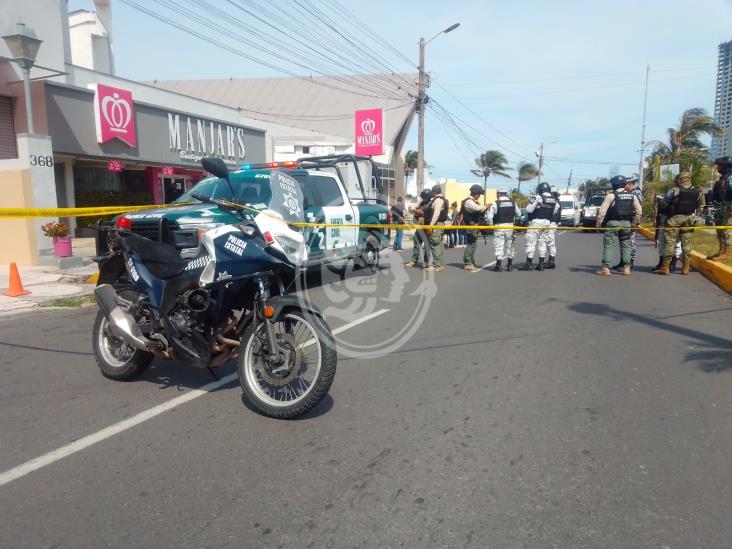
(43, 161)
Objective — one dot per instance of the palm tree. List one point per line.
(684, 145)
(410, 165)
(526, 171)
(491, 163)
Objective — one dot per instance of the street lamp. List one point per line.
(421, 102)
(23, 45)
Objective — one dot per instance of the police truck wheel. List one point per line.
(369, 258)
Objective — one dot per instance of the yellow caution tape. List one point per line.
(113, 210)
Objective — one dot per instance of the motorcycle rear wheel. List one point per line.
(302, 381)
(116, 359)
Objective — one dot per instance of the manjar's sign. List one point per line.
(114, 114)
(193, 138)
(370, 132)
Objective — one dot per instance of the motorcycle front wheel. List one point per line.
(296, 383)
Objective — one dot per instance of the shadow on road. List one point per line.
(36, 348)
(715, 354)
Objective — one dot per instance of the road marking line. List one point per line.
(89, 440)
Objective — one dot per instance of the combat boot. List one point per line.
(619, 266)
(604, 271)
(663, 269)
(540, 266)
(551, 264)
(658, 265)
(497, 268)
(626, 270)
(685, 266)
(717, 254)
(724, 254)
(672, 265)
(528, 266)
(509, 264)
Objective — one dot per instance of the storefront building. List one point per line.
(110, 149)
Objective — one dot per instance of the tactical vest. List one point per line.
(429, 211)
(505, 212)
(686, 202)
(722, 192)
(546, 210)
(557, 217)
(470, 218)
(622, 207)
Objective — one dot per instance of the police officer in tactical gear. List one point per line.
(472, 213)
(541, 211)
(631, 187)
(436, 213)
(682, 201)
(722, 200)
(503, 211)
(620, 212)
(552, 235)
(420, 237)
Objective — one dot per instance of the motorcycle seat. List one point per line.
(161, 259)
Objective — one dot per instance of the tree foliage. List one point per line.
(493, 163)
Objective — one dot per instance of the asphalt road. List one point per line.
(527, 410)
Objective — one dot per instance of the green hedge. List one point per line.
(107, 198)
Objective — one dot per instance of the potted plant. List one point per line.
(61, 239)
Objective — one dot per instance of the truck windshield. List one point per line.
(252, 190)
(567, 205)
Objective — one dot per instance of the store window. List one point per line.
(8, 143)
(173, 187)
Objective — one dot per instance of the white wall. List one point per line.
(45, 18)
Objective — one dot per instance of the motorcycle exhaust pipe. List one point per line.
(121, 324)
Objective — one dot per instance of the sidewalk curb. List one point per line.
(718, 273)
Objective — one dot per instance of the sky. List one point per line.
(568, 73)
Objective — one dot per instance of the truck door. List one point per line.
(337, 210)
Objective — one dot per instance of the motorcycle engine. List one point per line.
(192, 335)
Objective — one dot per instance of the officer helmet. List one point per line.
(618, 182)
(543, 187)
(476, 189)
(425, 194)
(437, 189)
(724, 165)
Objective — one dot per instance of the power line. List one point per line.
(240, 53)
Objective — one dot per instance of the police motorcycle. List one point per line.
(227, 302)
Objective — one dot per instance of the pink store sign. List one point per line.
(370, 132)
(114, 114)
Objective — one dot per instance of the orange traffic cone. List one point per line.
(15, 288)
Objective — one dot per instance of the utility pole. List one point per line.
(422, 102)
(541, 162)
(569, 181)
(421, 92)
(643, 132)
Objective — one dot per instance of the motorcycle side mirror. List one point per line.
(215, 166)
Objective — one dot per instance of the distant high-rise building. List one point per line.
(722, 146)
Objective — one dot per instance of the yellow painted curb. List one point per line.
(93, 279)
(719, 273)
